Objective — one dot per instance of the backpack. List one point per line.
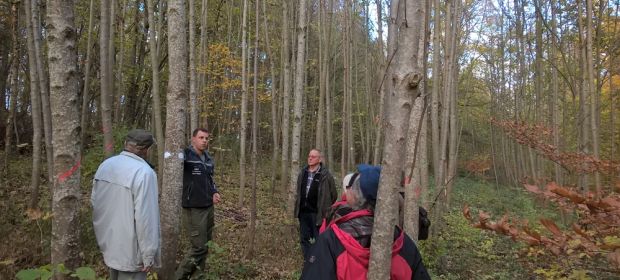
(354, 260)
(424, 223)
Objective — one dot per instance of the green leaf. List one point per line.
(62, 269)
(85, 273)
(28, 274)
(46, 274)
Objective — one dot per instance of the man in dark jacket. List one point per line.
(316, 192)
(342, 251)
(199, 195)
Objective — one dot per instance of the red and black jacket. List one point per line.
(338, 254)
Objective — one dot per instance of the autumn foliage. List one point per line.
(537, 137)
(595, 233)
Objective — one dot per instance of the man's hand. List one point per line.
(146, 268)
(216, 198)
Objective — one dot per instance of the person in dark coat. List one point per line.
(316, 192)
(342, 251)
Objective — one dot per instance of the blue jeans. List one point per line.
(308, 231)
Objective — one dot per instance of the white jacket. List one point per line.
(126, 213)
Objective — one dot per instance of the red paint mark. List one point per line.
(105, 129)
(406, 180)
(108, 147)
(63, 177)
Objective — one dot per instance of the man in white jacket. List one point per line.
(126, 211)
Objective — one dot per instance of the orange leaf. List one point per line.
(466, 212)
(552, 227)
(34, 214)
(532, 188)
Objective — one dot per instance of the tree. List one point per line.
(252, 227)
(298, 94)
(154, 51)
(35, 98)
(176, 111)
(63, 70)
(107, 91)
(407, 78)
(244, 101)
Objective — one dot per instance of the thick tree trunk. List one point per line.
(407, 77)
(176, 114)
(297, 114)
(66, 198)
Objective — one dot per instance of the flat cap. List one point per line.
(140, 137)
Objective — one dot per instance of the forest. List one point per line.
(498, 117)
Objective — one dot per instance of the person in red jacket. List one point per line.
(342, 251)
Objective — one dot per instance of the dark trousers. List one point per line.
(199, 226)
(308, 231)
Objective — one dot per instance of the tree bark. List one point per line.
(252, 227)
(286, 93)
(176, 114)
(86, 91)
(274, 102)
(35, 104)
(66, 201)
(106, 79)
(297, 114)
(244, 101)
(407, 78)
(193, 79)
(376, 157)
(154, 52)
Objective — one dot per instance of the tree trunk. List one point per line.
(252, 227)
(176, 113)
(274, 101)
(119, 70)
(376, 156)
(154, 52)
(286, 93)
(106, 79)
(554, 100)
(297, 114)
(407, 77)
(86, 91)
(193, 79)
(35, 103)
(66, 201)
(592, 92)
(244, 101)
(14, 79)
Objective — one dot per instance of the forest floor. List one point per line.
(455, 250)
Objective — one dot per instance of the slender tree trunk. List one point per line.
(35, 17)
(121, 60)
(35, 102)
(66, 198)
(299, 92)
(286, 93)
(376, 156)
(252, 227)
(407, 77)
(319, 138)
(244, 101)
(86, 91)
(176, 114)
(274, 101)
(193, 78)
(435, 115)
(106, 78)
(154, 52)
(554, 100)
(592, 94)
(14, 79)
